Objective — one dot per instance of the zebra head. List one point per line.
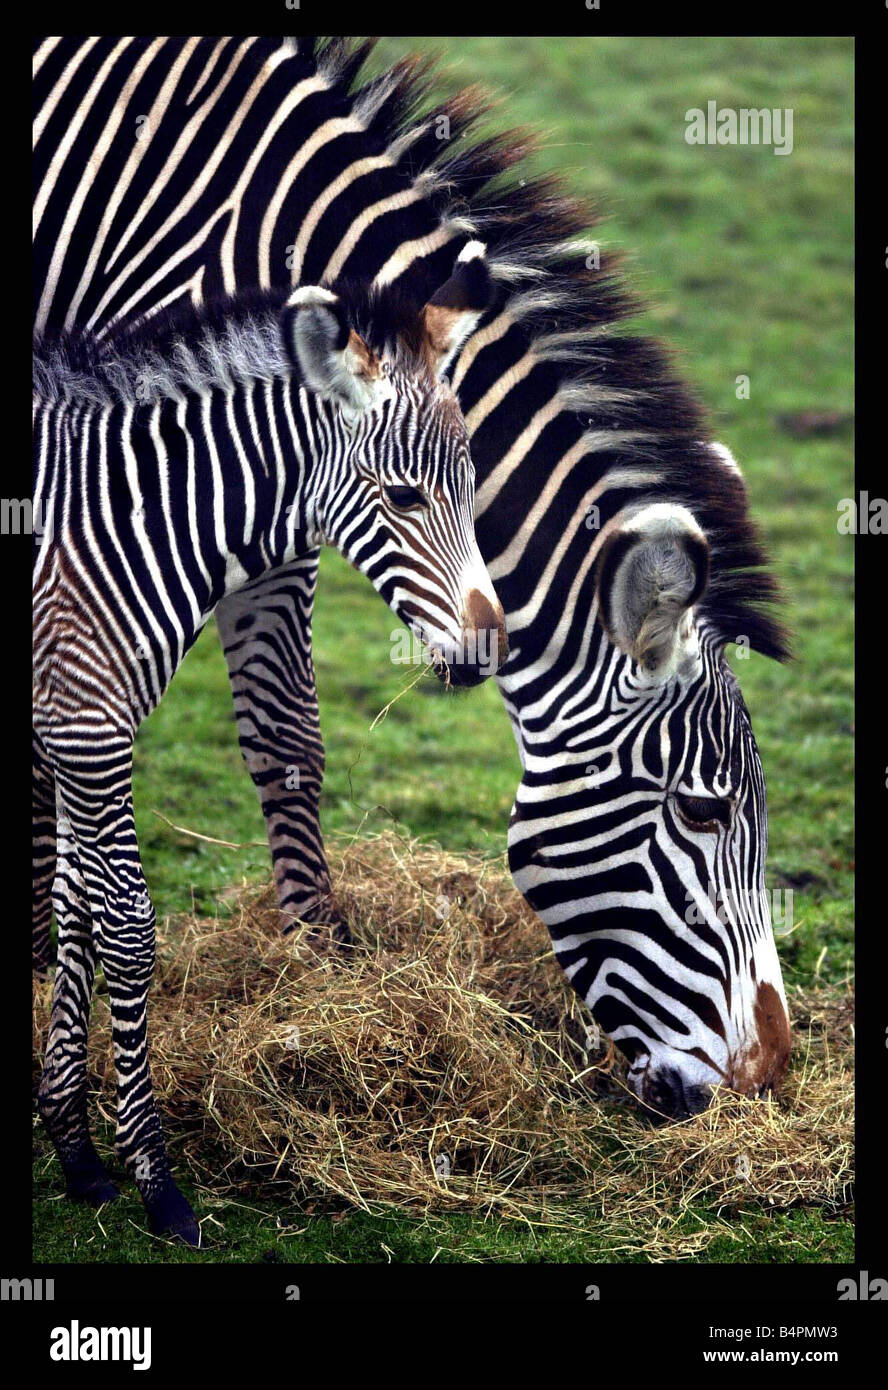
(646, 859)
(400, 503)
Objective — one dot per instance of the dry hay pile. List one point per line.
(446, 1065)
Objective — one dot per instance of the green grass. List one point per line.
(248, 1231)
(746, 261)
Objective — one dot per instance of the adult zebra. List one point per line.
(618, 537)
(172, 470)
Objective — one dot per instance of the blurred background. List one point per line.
(745, 259)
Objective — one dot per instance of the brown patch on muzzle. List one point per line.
(479, 614)
(484, 641)
(763, 1066)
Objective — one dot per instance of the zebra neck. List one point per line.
(253, 457)
(543, 564)
(561, 698)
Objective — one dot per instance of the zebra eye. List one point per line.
(703, 812)
(406, 499)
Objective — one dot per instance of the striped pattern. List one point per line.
(574, 426)
(174, 470)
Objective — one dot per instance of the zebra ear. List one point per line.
(651, 572)
(453, 311)
(332, 359)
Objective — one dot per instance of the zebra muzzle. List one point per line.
(484, 642)
(670, 1096)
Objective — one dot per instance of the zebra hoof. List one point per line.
(341, 936)
(335, 943)
(186, 1232)
(170, 1216)
(95, 1189)
(88, 1180)
(329, 938)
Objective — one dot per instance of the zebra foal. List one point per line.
(175, 467)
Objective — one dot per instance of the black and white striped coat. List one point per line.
(174, 469)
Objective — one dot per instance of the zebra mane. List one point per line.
(539, 254)
(187, 348)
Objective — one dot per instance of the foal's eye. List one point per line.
(703, 812)
(406, 499)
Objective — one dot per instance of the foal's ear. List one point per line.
(332, 359)
(651, 572)
(453, 311)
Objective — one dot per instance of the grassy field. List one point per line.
(746, 261)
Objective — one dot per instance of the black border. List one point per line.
(724, 1294)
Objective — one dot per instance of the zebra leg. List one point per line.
(98, 800)
(266, 633)
(43, 842)
(61, 1097)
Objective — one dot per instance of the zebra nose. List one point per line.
(671, 1098)
(484, 644)
(479, 612)
(760, 1065)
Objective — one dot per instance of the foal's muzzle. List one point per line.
(484, 644)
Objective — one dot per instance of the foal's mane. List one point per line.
(186, 347)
